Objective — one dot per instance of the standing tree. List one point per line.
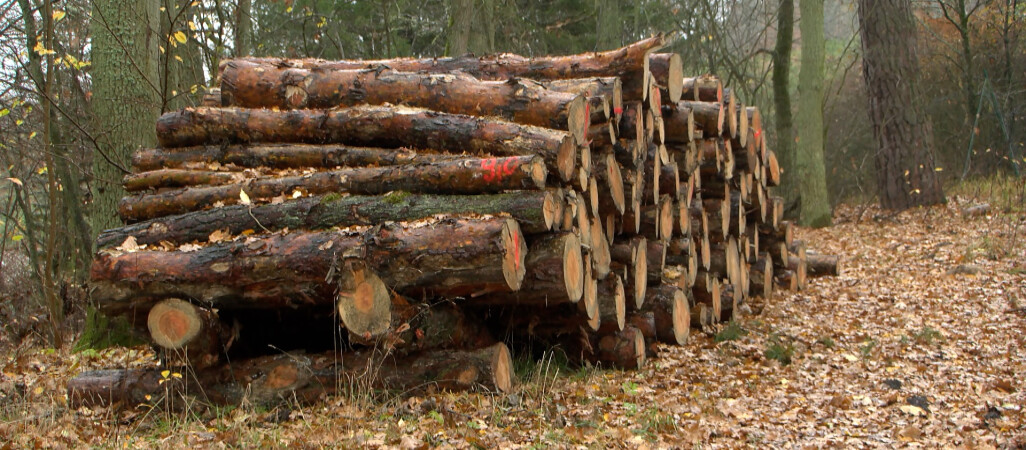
(125, 95)
(782, 97)
(815, 206)
(905, 171)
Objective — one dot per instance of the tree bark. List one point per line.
(376, 126)
(279, 156)
(188, 333)
(468, 176)
(449, 257)
(815, 206)
(554, 274)
(905, 171)
(669, 304)
(517, 100)
(535, 211)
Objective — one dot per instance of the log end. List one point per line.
(364, 303)
(640, 273)
(515, 250)
(173, 323)
(578, 118)
(502, 368)
(573, 267)
(538, 172)
(566, 158)
(675, 81)
(681, 317)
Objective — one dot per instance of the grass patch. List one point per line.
(395, 197)
(779, 351)
(826, 341)
(928, 336)
(867, 348)
(732, 332)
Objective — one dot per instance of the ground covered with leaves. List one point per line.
(919, 342)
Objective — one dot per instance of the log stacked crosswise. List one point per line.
(434, 213)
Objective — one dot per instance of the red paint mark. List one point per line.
(618, 110)
(507, 167)
(488, 165)
(587, 111)
(757, 134)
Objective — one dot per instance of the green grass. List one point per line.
(732, 332)
(928, 336)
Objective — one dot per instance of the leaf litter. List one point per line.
(899, 350)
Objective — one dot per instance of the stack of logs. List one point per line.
(592, 204)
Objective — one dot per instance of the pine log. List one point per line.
(535, 211)
(600, 253)
(465, 176)
(708, 116)
(554, 274)
(623, 62)
(632, 257)
(176, 178)
(610, 182)
(822, 265)
(610, 88)
(669, 304)
(645, 322)
(772, 169)
(624, 349)
(730, 302)
(708, 291)
(211, 97)
(289, 377)
(762, 276)
(668, 71)
(706, 88)
(730, 111)
(612, 304)
(452, 257)
(280, 156)
(188, 333)
(375, 126)
(250, 85)
(656, 220)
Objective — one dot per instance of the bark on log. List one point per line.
(452, 257)
(374, 126)
(535, 211)
(554, 274)
(250, 85)
(708, 116)
(612, 304)
(280, 156)
(762, 276)
(622, 62)
(610, 182)
(466, 176)
(669, 304)
(624, 349)
(646, 324)
(708, 291)
(706, 88)
(610, 88)
(822, 265)
(281, 378)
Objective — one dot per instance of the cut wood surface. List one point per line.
(518, 100)
(373, 126)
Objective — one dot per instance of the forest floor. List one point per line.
(919, 342)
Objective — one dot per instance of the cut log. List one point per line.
(669, 304)
(175, 178)
(609, 88)
(280, 156)
(452, 257)
(708, 116)
(708, 291)
(188, 333)
(554, 274)
(822, 265)
(465, 176)
(610, 181)
(600, 257)
(612, 304)
(535, 211)
(656, 220)
(624, 349)
(678, 123)
(730, 111)
(375, 126)
(283, 378)
(762, 276)
(668, 71)
(250, 85)
(646, 324)
(622, 62)
(706, 88)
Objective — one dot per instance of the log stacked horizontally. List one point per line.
(438, 212)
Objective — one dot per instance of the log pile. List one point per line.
(433, 212)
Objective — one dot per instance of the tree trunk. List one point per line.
(468, 176)
(449, 257)
(518, 100)
(782, 97)
(376, 126)
(815, 206)
(535, 211)
(125, 95)
(905, 171)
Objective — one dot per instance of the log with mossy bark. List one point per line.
(250, 85)
(624, 62)
(448, 257)
(280, 156)
(373, 126)
(535, 211)
(462, 176)
(289, 377)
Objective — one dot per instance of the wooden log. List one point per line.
(786, 279)
(623, 62)
(819, 265)
(612, 304)
(610, 181)
(609, 88)
(600, 253)
(762, 276)
(730, 111)
(279, 156)
(211, 97)
(669, 304)
(708, 290)
(554, 274)
(708, 116)
(706, 88)
(702, 317)
(632, 258)
(656, 220)
(189, 334)
(632, 127)
(465, 176)
(375, 126)
(668, 71)
(772, 169)
(645, 322)
(250, 85)
(451, 257)
(535, 211)
(730, 300)
(624, 349)
(289, 377)
(175, 178)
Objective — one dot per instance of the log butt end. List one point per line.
(681, 316)
(173, 323)
(675, 81)
(502, 368)
(364, 303)
(578, 119)
(515, 251)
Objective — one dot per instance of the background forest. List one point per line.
(79, 90)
